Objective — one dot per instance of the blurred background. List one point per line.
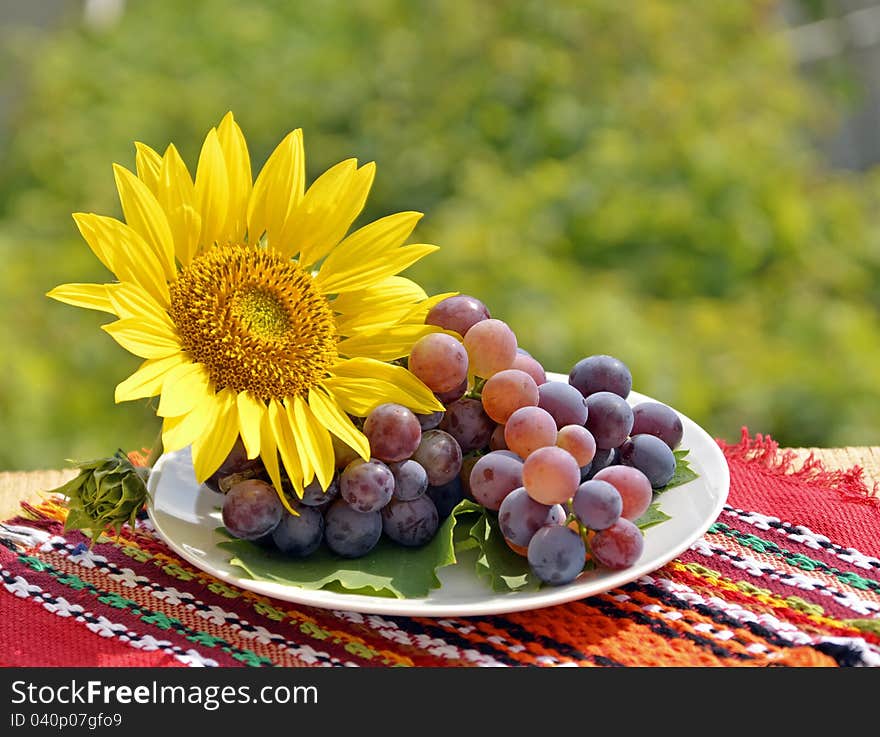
(689, 186)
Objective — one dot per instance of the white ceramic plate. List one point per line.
(186, 517)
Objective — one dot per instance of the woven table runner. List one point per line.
(789, 575)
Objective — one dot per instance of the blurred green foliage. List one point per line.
(639, 179)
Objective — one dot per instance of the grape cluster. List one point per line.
(567, 467)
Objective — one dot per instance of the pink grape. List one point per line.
(565, 403)
(551, 475)
(491, 347)
(394, 432)
(528, 429)
(618, 546)
(578, 441)
(251, 509)
(440, 361)
(440, 455)
(366, 485)
(508, 390)
(493, 477)
(458, 313)
(634, 488)
(466, 421)
(530, 365)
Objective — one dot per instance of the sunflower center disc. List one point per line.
(255, 320)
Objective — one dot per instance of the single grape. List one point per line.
(251, 509)
(440, 455)
(446, 496)
(556, 554)
(520, 517)
(604, 458)
(458, 313)
(394, 432)
(496, 440)
(366, 485)
(236, 467)
(634, 488)
(440, 361)
(315, 496)
(578, 441)
(527, 363)
(449, 397)
(430, 421)
(491, 347)
(653, 418)
(506, 392)
(528, 429)
(410, 480)
(466, 421)
(609, 419)
(597, 504)
(651, 456)
(564, 403)
(299, 535)
(493, 477)
(412, 523)
(350, 533)
(551, 475)
(618, 546)
(601, 374)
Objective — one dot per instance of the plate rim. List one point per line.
(494, 602)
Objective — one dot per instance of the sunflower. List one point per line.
(257, 315)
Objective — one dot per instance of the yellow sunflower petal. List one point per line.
(212, 191)
(388, 344)
(178, 432)
(393, 291)
(147, 162)
(148, 379)
(327, 211)
(359, 384)
(132, 300)
(278, 189)
(269, 456)
(238, 169)
(185, 386)
(210, 448)
(418, 312)
(316, 440)
(279, 421)
(90, 296)
(124, 253)
(145, 216)
(251, 410)
(177, 195)
(144, 338)
(331, 416)
(300, 443)
(362, 274)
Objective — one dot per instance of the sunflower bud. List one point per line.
(106, 493)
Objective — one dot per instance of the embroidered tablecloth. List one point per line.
(788, 575)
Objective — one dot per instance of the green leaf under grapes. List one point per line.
(652, 516)
(683, 472)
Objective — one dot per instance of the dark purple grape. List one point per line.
(394, 432)
(651, 456)
(609, 419)
(411, 523)
(556, 554)
(299, 535)
(315, 496)
(597, 504)
(494, 476)
(350, 533)
(520, 517)
(653, 418)
(468, 423)
(458, 313)
(454, 395)
(440, 455)
(410, 480)
(366, 485)
(429, 421)
(251, 509)
(237, 467)
(601, 374)
(565, 404)
(446, 496)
